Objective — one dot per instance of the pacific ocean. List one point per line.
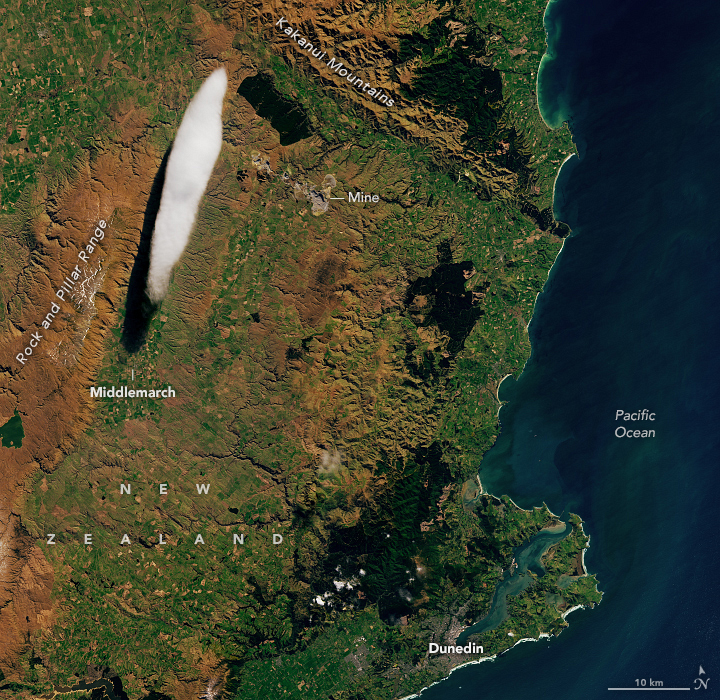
(628, 320)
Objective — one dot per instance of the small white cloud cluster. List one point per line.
(320, 600)
(345, 584)
(212, 689)
(405, 594)
(340, 584)
(191, 162)
(330, 461)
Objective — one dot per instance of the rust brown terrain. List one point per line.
(51, 390)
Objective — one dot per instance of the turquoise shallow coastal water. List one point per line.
(528, 557)
(628, 320)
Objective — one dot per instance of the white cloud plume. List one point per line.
(191, 162)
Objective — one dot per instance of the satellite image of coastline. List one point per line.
(359, 351)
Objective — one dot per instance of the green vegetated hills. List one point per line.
(335, 380)
(72, 71)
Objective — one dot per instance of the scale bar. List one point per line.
(648, 688)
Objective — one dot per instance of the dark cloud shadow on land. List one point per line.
(139, 309)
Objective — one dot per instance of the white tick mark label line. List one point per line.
(361, 197)
(648, 688)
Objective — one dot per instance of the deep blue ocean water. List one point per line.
(629, 319)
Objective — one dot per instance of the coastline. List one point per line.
(497, 391)
(575, 607)
(543, 635)
(483, 660)
(547, 58)
(550, 271)
(474, 662)
(452, 670)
